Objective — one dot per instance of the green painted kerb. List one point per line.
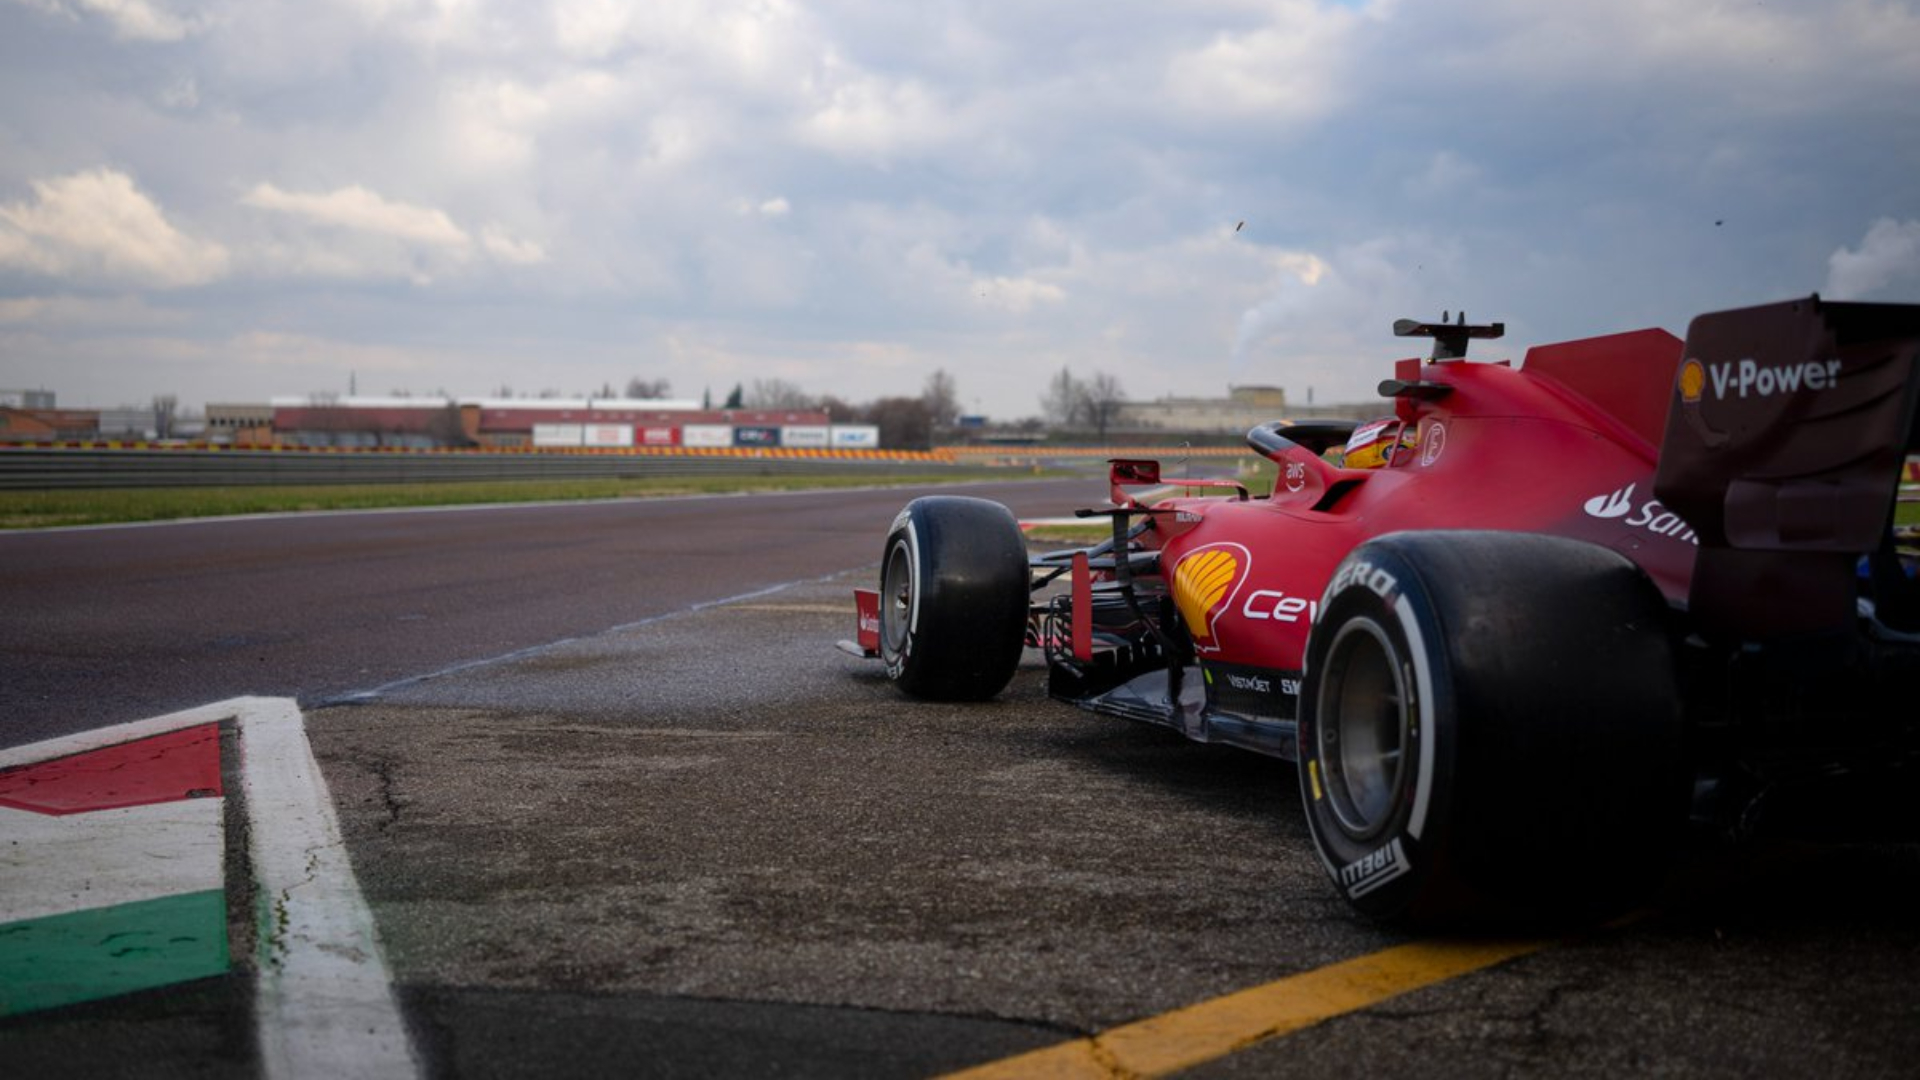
(85, 955)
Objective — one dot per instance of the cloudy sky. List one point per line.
(245, 198)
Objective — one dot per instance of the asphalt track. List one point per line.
(151, 619)
(653, 825)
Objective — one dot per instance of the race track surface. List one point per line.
(113, 624)
(617, 807)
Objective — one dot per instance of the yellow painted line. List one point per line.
(1197, 1034)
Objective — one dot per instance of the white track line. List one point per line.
(324, 999)
(362, 697)
(101, 738)
(325, 1003)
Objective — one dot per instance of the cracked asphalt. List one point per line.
(709, 844)
(716, 846)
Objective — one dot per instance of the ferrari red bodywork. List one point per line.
(1567, 595)
(1565, 445)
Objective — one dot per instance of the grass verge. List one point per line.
(106, 506)
(1082, 535)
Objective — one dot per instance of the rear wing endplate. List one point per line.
(1786, 434)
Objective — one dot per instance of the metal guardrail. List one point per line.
(28, 469)
(24, 468)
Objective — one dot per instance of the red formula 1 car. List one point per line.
(1522, 629)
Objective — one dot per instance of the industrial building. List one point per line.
(555, 423)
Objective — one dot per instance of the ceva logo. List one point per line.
(1607, 507)
(1204, 583)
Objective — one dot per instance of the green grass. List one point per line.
(1082, 535)
(45, 509)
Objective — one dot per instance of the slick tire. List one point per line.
(954, 592)
(1490, 730)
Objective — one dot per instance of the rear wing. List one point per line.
(1786, 435)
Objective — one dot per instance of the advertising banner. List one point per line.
(812, 436)
(557, 435)
(706, 436)
(609, 435)
(855, 437)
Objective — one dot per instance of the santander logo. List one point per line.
(1612, 506)
(1649, 515)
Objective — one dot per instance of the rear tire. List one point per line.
(1490, 729)
(954, 593)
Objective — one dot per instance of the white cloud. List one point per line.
(775, 207)
(357, 208)
(98, 225)
(1788, 56)
(1292, 68)
(132, 20)
(1446, 173)
(988, 188)
(743, 42)
(183, 94)
(80, 312)
(871, 117)
(1888, 254)
(355, 233)
(1323, 322)
(1018, 294)
(505, 248)
(275, 349)
(496, 124)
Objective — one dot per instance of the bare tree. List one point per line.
(776, 394)
(164, 407)
(904, 423)
(839, 411)
(942, 400)
(1100, 401)
(648, 389)
(1062, 402)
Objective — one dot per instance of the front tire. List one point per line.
(954, 593)
(1490, 729)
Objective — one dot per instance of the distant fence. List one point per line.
(42, 468)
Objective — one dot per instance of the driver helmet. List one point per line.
(1372, 443)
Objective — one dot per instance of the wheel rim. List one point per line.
(1363, 735)
(896, 598)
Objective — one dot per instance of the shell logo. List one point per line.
(1693, 379)
(1203, 583)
